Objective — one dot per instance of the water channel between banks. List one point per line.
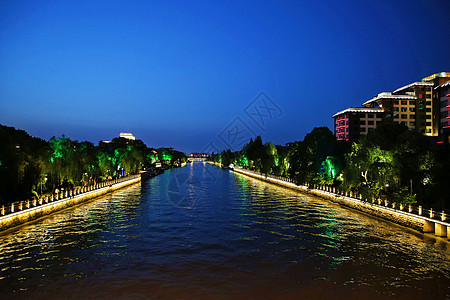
(204, 232)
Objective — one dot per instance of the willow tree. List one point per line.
(371, 171)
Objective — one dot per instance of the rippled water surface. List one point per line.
(203, 232)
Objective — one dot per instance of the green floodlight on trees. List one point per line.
(58, 148)
(243, 160)
(331, 167)
(152, 157)
(277, 160)
(166, 156)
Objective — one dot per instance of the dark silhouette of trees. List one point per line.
(392, 163)
(31, 166)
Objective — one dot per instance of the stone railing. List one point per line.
(417, 217)
(441, 215)
(64, 194)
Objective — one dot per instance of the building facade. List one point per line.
(418, 105)
(396, 108)
(354, 122)
(425, 108)
(442, 93)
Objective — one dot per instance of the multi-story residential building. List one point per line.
(425, 108)
(354, 122)
(443, 97)
(396, 108)
(414, 105)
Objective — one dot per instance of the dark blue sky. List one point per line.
(179, 73)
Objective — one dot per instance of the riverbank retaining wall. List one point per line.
(33, 213)
(420, 223)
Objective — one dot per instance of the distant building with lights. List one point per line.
(127, 135)
(124, 135)
(418, 105)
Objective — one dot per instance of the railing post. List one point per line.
(3, 210)
(401, 206)
(385, 203)
(443, 217)
(410, 208)
(393, 205)
(431, 213)
(12, 207)
(420, 210)
(20, 205)
(28, 203)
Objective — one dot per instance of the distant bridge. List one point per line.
(190, 159)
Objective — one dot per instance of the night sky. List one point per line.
(187, 74)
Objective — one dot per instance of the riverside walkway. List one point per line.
(20, 212)
(409, 216)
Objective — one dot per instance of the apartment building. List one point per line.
(442, 93)
(418, 105)
(425, 108)
(354, 122)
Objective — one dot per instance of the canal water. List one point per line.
(200, 232)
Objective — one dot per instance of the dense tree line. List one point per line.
(32, 166)
(391, 162)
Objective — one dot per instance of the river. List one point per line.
(200, 232)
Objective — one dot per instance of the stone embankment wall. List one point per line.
(32, 213)
(404, 218)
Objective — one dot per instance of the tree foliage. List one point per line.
(31, 166)
(392, 163)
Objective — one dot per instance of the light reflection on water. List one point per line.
(202, 232)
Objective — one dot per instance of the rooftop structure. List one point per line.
(378, 99)
(127, 135)
(414, 84)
